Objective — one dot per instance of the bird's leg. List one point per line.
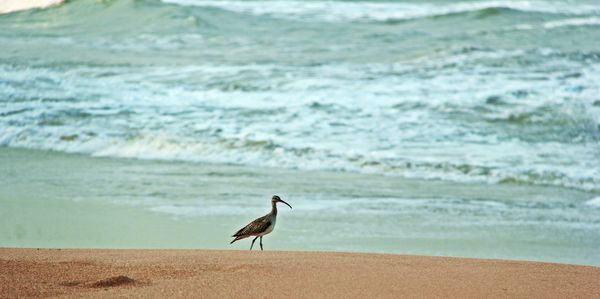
(261, 243)
(253, 242)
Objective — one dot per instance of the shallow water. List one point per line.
(61, 200)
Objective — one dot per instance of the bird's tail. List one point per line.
(236, 238)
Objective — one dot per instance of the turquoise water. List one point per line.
(51, 199)
(487, 95)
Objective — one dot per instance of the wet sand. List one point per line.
(200, 273)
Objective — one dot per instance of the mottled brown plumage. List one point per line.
(255, 227)
(260, 226)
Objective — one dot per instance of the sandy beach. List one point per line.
(200, 273)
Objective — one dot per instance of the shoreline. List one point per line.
(57, 200)
(229, 273)
(8, 6)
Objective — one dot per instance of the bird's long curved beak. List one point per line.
(285, 203)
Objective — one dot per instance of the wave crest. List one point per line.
(334, 11)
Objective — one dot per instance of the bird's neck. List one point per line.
(274, 208)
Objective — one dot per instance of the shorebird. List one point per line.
(260, 226)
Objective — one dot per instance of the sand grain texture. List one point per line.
(211, 274)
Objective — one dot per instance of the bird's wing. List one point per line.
(257, 226)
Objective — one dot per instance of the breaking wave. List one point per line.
(341, 11)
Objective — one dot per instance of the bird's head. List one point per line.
(275, 199)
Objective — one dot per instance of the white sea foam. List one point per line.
(380, 11)
(234, 114)
(7, 6)
(594, 202)
(592, 21)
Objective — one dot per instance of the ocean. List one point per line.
(463, 128)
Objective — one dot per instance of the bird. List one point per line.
(260, 226)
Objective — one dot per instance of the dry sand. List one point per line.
(16, 5)
(200, 273)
